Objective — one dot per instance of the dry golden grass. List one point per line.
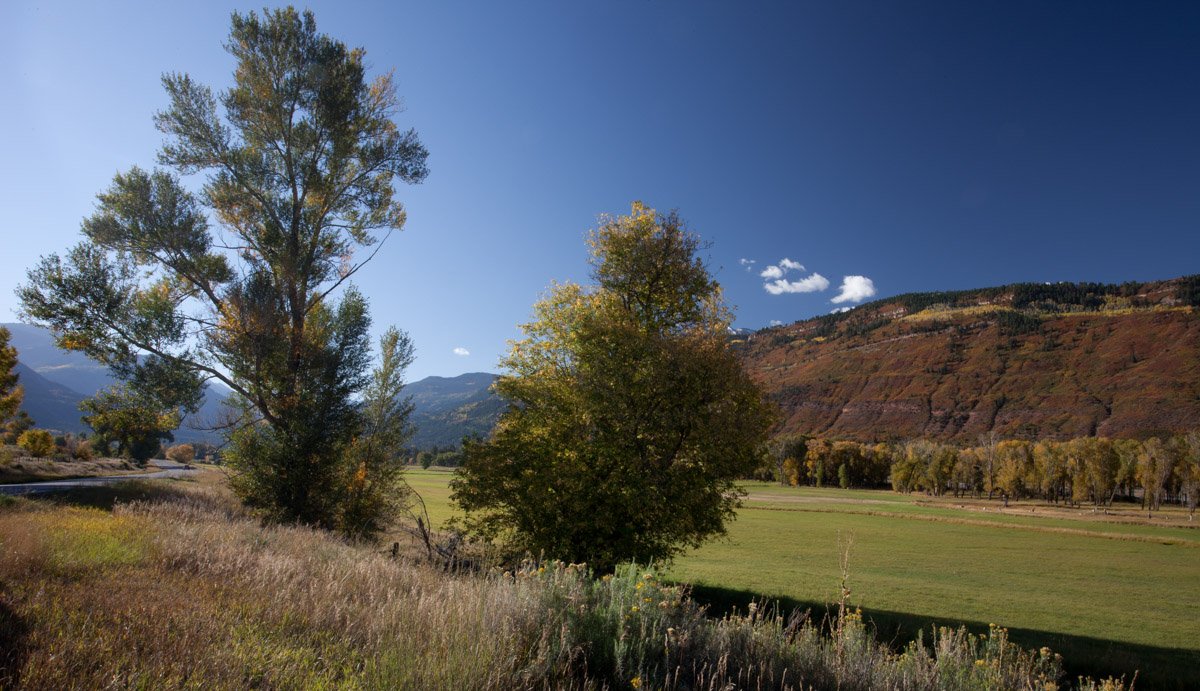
(29, 469)
(181, 589)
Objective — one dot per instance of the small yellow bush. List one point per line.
(182, 453)
(37, 442)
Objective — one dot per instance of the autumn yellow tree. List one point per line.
(967, 476)
(787, 455)
(1100, 467)
(1012, 467)
(1189, 471)
(1052, 472)
(987, 460)
(1156, 463)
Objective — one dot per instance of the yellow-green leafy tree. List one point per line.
(1156, 463)
(911, 462)
(376, 493)
(631, 418)
(816, 461)
(1012, 466)
(786, 453)
(940, 468)
(1052, 472)
(136, 424)
(11, 392)
(988, 442)
(1189, 471)
(1128, 451)
(967, 476)
(38, 442)
(1100, 465)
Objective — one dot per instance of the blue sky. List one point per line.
(922, 146)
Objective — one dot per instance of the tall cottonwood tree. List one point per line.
(299, 159)
(630, 418)
(11, 392)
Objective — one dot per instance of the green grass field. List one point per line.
(1110, 595)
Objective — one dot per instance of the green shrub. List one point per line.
(630, 630)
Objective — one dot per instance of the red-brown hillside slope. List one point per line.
(1028, 361)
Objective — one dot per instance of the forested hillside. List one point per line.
(446, 409)
(1026, 361)
(1032, 361)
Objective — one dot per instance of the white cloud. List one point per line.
(748, 263)
(775, 271)
(839, 310)
(812, 284)
(461, 351)
(776, 284)
(854, 289)
(776, 322)
(772, 272)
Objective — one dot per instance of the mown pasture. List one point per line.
(1112, 594)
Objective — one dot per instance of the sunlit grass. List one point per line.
(85, 539)
(184, 591)
(1028, 567)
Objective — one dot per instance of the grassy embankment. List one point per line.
(1111, 593)
(16, 466)
(181, 589)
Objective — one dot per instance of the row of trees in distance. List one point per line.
(1094, 470)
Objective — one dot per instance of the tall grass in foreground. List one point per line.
(189, 593)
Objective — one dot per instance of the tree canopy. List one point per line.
(630, 417)
(135, 423)
(11, 393)
(299, 158)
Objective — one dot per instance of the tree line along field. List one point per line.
(1110, 593)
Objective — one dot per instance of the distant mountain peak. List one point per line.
(448, 408)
